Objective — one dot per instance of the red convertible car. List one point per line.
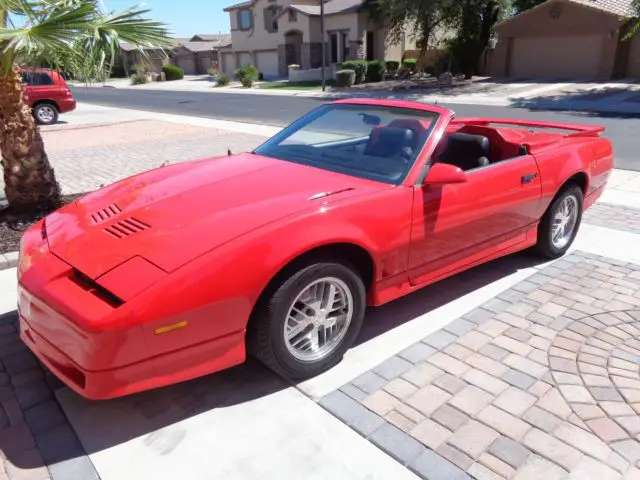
(180, 271)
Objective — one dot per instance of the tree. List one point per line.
(471, 21)
(520, 6)
(77, 37)
(423, 17)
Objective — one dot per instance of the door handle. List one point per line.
(529, 178)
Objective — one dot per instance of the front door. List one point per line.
(457, 224)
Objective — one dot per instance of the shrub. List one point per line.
(358, 66)
(392, 66)
(213, 72)
(376, 70)
(247, 74)
(172, 72)
(345, 78)
(410, 63)
(223, 80)
(139, 78)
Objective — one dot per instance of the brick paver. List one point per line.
(87, 158)
(541, 382)
(613, 216)
(36, 440)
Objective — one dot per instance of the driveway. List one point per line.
(516, 369)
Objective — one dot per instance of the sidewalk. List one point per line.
(514, 370)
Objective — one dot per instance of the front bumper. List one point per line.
(177, 366)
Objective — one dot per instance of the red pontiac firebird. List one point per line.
(180, 271)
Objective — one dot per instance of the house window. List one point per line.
(271, 19)
(293, 15)
(245, 19)
(344, 39)
(338, 46)
(333, 47)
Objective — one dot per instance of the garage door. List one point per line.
(559, 57)
(268, 63)
(188, 64)
(245, 58)
(228, 63)
(633, 67)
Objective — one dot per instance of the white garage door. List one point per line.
(228, 65)
(268, 63)
(560, 57)
(245, 58)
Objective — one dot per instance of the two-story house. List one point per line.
(273, 34)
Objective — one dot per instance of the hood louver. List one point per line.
(105, 214)
(126, 228)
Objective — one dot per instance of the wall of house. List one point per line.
(555, 20)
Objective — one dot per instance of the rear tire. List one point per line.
(559, 225)
(45, 114)
(292, 331)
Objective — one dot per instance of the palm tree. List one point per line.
(75, 36)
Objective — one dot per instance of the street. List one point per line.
(280, 110)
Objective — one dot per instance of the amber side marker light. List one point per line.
(170, 328)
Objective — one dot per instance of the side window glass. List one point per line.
(27, 78)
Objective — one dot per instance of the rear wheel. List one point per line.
(45, 114)
(310, 321)
(559, 225)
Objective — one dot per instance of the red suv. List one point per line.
(47, 93)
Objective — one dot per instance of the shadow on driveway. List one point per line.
(164, 407)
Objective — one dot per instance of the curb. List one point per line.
(8, 260)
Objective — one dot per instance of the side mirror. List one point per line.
(443, 174)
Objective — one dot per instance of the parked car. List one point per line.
(47, 93)
(179, 271)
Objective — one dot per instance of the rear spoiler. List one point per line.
(578, 130)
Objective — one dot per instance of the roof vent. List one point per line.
(106, 213)
(127, 227)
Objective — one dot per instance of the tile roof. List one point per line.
(623, 8)
(221, 38)
(239, 5)
(200, 46)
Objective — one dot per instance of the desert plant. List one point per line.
(172, 72)
(139, 78)
(376, 70)
(74, 35)
(392, 66)
(345, 78)
(410, 64)
(247, 74)
(223, 80)
(358, 66)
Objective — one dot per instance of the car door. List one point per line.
(38, 86)
(456, 224)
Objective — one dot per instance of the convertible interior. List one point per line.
(389, 151)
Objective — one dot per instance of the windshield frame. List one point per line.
(299, 124)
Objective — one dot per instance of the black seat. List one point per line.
(466, 151)
(391, 142)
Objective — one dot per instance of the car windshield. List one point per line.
(367, 141)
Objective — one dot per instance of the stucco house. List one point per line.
(196, 55)
(199, 54)
(567, 39)
(273, 34)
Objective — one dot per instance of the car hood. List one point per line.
(174, 214)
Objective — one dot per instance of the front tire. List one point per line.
(310, 321)
(559, 225)
(45, 114)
